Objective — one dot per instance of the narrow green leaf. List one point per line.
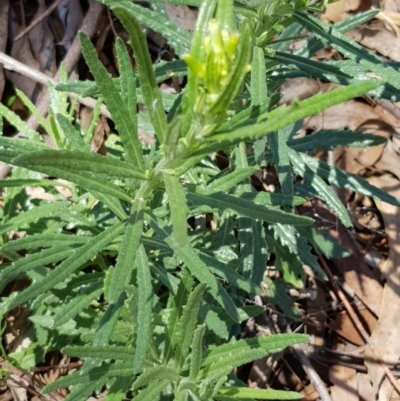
(229, 274)
(248, 115)
(316, 69)
(346, 180)
(175, 304)
(103, 334)
(314, 44)
(242, 207)
(178, 38)
(348, 47)
(151, 93)
(24, 218)
(100, 352)
(152, 393)
(88, 181)
(145, 304)
(228, 181)
(35, 112)
(244, 393)
(151, 375)
(177, 204)
(279, 148)
(29, 182)
(32, 261)
(258, 83)
(82, 392)
(18, 123)
(43, 241)
(330, 139)
(253, 249)
(124, 122)
(188, 324)
(201, 272)
(271, 344)
(127, 80)
(71, 133)
(289, 236)
(197, 352)
(22, 145)
(127, 253)
(323, 190)
(75, 261)
(272, 199)
(196, 267)
(276, 294)
(77, 304)
(289, 265)
(111, 202)
(79, 162)
(164, 70)
(96, 375)
(240, 357)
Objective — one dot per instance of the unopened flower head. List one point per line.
(219, 47)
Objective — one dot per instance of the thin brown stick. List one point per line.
(311, 372)
(359, 326)
(37, 20)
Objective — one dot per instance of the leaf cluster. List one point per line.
(124, 269)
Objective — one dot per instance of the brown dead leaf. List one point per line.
(71, 16)
(309, 393)
(41, 42)
(344, 326)
(344, 383)
(386, 335)
(365, 390)
(378, 39)
(353, 160)
(183, 16)
(22, 52)
(334, 12)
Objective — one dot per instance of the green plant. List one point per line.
(177, 285)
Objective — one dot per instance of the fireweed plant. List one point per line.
(119, 266)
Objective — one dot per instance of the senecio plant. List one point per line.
(120, 267)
